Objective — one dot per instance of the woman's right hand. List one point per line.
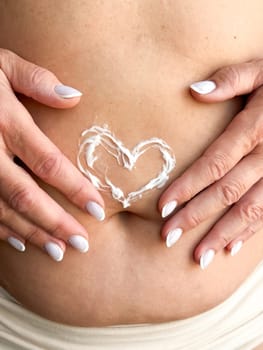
(27, 213)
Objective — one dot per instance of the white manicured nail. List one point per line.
(15, 243)
(207, 258)
(79, 242)
(203, 87)
(169, 208)
(54, 251)
(67, 91)
(236, 248)
(95, 210)
(173, 237)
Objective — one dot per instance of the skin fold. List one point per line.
(134, 63)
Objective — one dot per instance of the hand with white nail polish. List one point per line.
(229, 175)
(27, 213)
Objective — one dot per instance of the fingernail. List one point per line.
(79, 242)
(67, 91)
(15, 243)
(95, 210)
(206, 258)
(203, 87)
(54, 251)
(236, 248)
(169, 208)
(173, 237)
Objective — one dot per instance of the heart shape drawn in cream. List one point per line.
(101, 136)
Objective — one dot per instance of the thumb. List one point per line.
(228, 82)
(36, 82)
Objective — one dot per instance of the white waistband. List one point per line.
(237, 323)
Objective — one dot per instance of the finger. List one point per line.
(248, 210)
(25, 232)
(217, 160)
(217, 197)
(47, 162)
(23, 195)
(19, 231)
(37, 82)
(54, 248)
(230, 81)
(12, 238)
(236, 244)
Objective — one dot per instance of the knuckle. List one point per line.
(3, 52)
(4, 112)
(48, 166)
(32, 235)
(56, 225)
(250, 212)
(217, 165)
(5, 86)
(230, 192)
(258, 80)
(250, 231)
(57, 229)
(186, 192)
(75, 193)
(231, 76)
(258, 128)
(2, 211)
(258, 75)
(9, 63)
(10, 126)
(258, 156)
(251, 129)
(38, 75)
(22, 199)
(5, 56)
(224, 239)
(194, 219)
(12, 135)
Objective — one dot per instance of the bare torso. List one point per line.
(134, 61)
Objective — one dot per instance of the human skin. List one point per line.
(234, 168)
(18, 190)
(147, 77)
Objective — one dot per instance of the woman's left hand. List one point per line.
(229, 173)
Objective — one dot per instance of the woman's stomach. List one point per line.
(135, 80)
(128, 275)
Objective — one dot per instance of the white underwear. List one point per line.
(235, 324)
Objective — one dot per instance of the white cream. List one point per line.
(101, 136)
